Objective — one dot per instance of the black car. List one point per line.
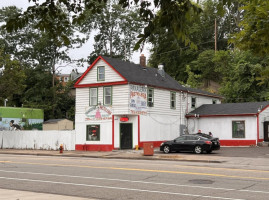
(197, 143)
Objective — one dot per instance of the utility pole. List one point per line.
(216, 35)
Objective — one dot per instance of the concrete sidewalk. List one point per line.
(234, 156)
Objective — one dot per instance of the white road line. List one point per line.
(120, 188)
(143, 182)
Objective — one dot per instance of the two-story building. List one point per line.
(120, 105)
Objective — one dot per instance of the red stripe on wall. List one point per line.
(237, 142)
(94, 147)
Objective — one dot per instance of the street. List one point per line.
(96, 178)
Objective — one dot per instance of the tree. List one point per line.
(12, 79)
(174, 15)
(173, 53)
(254, 27)
(117, 31)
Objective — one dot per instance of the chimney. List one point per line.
(143, 60)
(161, 70)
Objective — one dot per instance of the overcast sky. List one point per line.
(78, 53)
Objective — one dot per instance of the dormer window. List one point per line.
(101, 73)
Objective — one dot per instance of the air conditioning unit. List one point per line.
(150, 104)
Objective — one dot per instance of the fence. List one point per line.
(47, 140)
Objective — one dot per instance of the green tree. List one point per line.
(254, 27)
(174, 15)
(169, 50)
(12, 79)
(117, 28)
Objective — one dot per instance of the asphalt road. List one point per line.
(246, 152)
(130, 179)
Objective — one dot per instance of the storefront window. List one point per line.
(93, 133)
(238, 129)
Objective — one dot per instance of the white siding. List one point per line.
(221, 127)
(200, 100)
(159, 127)
(263, 116)
(110, 74)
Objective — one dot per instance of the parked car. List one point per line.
(197, 143)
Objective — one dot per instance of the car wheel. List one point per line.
(166, 149)
(209, 151)
(198, 149)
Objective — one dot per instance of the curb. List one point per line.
(114, 157)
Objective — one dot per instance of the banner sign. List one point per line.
(138, 100)
(98, 113)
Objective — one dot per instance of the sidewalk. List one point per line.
(217, 157)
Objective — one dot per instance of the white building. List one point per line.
(235, 124)
(120, 105)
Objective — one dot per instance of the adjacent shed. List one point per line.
(236, 124)
(58, 124)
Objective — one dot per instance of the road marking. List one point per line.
(120, 188)
(146, 170)
(130, 181)
(102, 161)
(5, 161)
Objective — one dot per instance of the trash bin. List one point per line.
(148, 149)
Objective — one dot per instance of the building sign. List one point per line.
(98, 113)
(138, 99)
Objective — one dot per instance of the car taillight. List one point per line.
(208, 142)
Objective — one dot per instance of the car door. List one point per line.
(179, 143)
(190, 142)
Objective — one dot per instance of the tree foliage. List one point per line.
(254, 27)
(51, 18)
(117, 30)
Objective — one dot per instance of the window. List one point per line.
(172, 100)
(214, 101)
(101, 73)
(150, 97)
(93, 96)
(238, 129)
(66, 79)
(107, 96)
(193, 102)
(93, 133)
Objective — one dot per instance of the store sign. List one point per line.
(98, 113)
(138, 100)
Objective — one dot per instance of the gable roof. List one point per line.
(228, 109)
(137, 74)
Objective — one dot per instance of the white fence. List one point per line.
(48, 140)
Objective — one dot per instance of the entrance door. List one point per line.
(126, 133)
(266, 131)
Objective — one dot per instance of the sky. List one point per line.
(77, 53)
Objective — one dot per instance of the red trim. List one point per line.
(113, 68)
(113, 131)
(237, 142)
(94, 147)
(207, 95)
(264, 108)
(138, 121)
(228, 115)
(101, 84)
(89, 68)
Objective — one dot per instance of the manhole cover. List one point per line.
(201, 181)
